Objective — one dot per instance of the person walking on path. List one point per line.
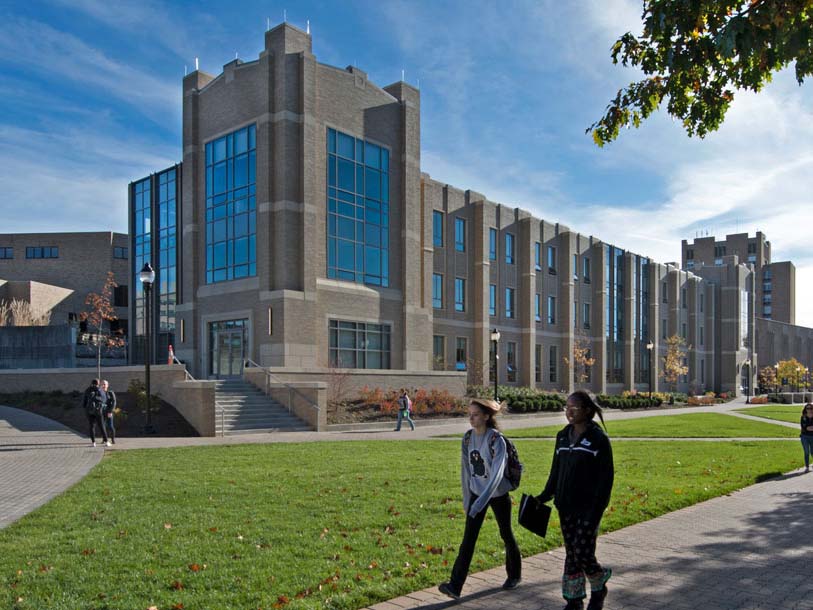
(93, 402)
(580, 482)
(109, 410)
(483, 463)
(807, 433)
(404, 410)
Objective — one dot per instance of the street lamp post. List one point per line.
(650, 346)
(776, 378)
(495, 338)
(747, 363)
(798, 375)
(147, 277)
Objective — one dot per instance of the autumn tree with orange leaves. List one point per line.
(101, 311)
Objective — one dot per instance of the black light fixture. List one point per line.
(147, 277)
(747, 363)
(495, 338)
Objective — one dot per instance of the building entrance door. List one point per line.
(229, 352)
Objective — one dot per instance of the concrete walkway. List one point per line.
(39, 459)
(744, 551)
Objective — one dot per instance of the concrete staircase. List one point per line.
(242, 408)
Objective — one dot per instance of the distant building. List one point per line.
(57, 271)
(775, 283)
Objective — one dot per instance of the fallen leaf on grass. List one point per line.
(88, 551)
(178, 606)
(177, 585)
(194, 567)
(167, 526)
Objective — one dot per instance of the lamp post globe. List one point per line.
(495, 338)
(147, 277)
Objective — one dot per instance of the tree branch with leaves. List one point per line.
(673, 366)
(697, 54)
(102, 311)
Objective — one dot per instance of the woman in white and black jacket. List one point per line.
(483, 462)
(580, 482)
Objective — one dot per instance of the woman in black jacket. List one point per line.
(580, 482)
(807, 433)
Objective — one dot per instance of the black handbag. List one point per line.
(534, 515)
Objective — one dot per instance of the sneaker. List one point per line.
(575, 604)
(107, 443)
(447, 589)
(597, 599)
(511, 583)
(93, 443)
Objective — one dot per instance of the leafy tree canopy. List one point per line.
(696, 53)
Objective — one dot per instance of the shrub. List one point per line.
(759, 400)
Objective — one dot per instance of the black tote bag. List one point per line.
(534, 515)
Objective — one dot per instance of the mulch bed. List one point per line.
(67, 410)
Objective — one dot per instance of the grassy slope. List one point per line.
(328, 525)
(690, 425)
(788, 413)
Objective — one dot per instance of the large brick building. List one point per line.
(309, 240)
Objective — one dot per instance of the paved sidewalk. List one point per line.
(39, 459)
(746, 551)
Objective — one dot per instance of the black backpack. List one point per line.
(513, 467)
(93, 401)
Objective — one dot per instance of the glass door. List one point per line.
(228, 353)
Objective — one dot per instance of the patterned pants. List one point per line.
(580, 536)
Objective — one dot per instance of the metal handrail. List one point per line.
(187, 374)
(269, 378)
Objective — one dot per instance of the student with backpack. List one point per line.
(485, 472)
(404, 410)
(94, 402)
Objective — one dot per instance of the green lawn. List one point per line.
(690, 425)
(312, 525)
(788, 413)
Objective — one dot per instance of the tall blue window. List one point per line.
(551, 310)
(142, 242)
(6, 253)
(437, 229)
(358, 203)
(167, 250)
(538, 307)
(459, 294)
(509, 248)
(538, 256)
(492, 299)
(552, 260)
(460, 234)
(231, 216)
(492, 244)
(509, 302)
(437, 291)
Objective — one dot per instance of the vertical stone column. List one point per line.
(525, 301)
(480, 273)
(654, 326)
(629, 321)
(598, 260)
(566, 318)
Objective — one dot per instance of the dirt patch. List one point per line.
(67, 410)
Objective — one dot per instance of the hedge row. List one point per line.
(630, 402)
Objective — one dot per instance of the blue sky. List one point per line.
(90, 94)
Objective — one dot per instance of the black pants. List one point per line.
(93, 419)
(580, 533)
(513, 560)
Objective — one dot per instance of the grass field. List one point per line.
(312, 525)
(788, 413)
(690, 425)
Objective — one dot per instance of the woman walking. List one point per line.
(483, 462)
(807, 434)
(580, 482)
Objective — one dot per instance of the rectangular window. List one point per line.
(586, 270)
(120, 296)
(552, 364)
(460, 234)
(683, 300)
(459, 294)
(702, 371)
(701, 335)
(664, 293)
(689, 254)
(538, 307)
(752, 248)
(551, 260)
(461, 354)
(511, 361)
(358, 210)
(6, 253)
(663, 329)
(509, 249)
(576, 267)
(231, 207)
(551, 310)
(42, 252)
(492, 299)
(683, 330)
(437, 291)
(509, 303)
(492, 244)
(358, 345)
(702, 301)
(439, 352)
(437, 229)
(719, 251)
(119, 252)
(575, 314)
(586, 316)
(538, 256)
(538, 363)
